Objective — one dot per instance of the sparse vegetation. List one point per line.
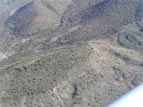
(69, 53)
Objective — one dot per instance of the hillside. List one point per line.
(69, 53)
(33, 16)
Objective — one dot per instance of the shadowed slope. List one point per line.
(102, 18)
(31, 18)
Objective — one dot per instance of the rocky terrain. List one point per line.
(69, 53)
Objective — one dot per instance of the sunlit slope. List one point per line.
(73, 76)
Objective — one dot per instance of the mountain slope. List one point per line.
(30, 17)
(69, 53)
(74, 76)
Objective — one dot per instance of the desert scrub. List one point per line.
(45, 73)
